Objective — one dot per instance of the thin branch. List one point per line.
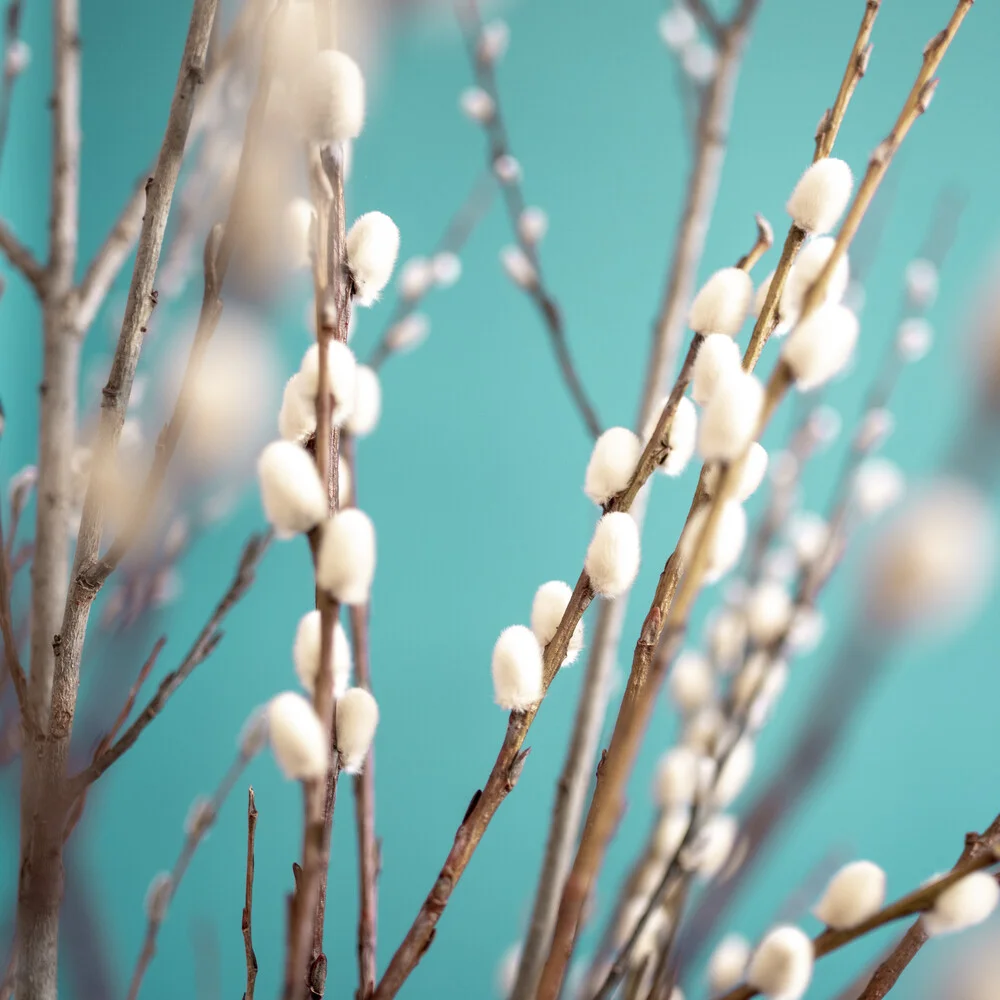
(11, 72)
(499, 146)
(247, 922)
(159, 903)
(22, 259)
(919, 901)
(208, 638)
(11, 659)
(708, 21)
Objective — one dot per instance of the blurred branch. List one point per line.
(247, 922)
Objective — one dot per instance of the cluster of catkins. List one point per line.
(330, 91)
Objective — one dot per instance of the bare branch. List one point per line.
(708, 21)
(247, 922)
(22, 259)
(11, 659)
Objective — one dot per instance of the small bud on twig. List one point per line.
(517, 669)
(613, 555)
(293, 497)
(297, 738)
(821, 195)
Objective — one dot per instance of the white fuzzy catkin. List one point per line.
(342, 378)
(678, 27)
(914, 339)
(717, 357)
(933, 562)
(297, 416)
(17, 58)
(729, 420)
(290, 489)
(297, 229)
(613, 460)
(769, 612)
(446, 267)
(703, 729)
(727, 543)
(809, 535)
(734, 773)
(345, 563)
(331, 97)
(821, 345)
(753, 468)
(874, 429)
(477, 105)
(372, 247)
(415, 278)
(921, 282)
(493, 41)
(727, 964)
(722, 304)
(547, 609)
(409, 333)
(306, 653)
(612, 561)
(367, 403)
(519, 269)
(357, 718)
(669, 833)
(681, 437)
(505, 976)
(966, 903)
(855, 893)
(700, 61)
(781, 966)
(806, 269)
(507, 169)
(878, 485)
(713, 846)
(297, 738)
(158, 896)
(532, 225)
(691, 682)
(517, 669)
(821, 195)
(676, 778)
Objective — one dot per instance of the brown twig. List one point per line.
(248, 904)
(198, 826)
(22, 259)
(459, 229)
(203, 646)
(11, 659)
(499, 146)
(918, 901)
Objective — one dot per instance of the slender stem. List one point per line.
(23, 260)
(202, 823)
(499, 145)
(11, 658)
(11, 37)
(247, 921)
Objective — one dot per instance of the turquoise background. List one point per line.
(473, 478)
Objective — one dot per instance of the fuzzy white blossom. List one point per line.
(878, 485)
(17, 58)
(446, 267)
(712, 846)
(717, 357)
(727, 964)
(734, 773)
(809, 535)
(408, 333)
(678, 27)
(297, 738)
(676, 778)
(729, 420)
(612, 561)
(290, 489)
(297, 230)
(769, 612)
(415, 278)
(703, 729)
(691, 682)
(612, 462)
(966, 903)
(681, 438)
(782, 964)
(372, 247)
(331, 97)
(367, 403)
(158, 896)
(806, 631)
(518, 268)
(752, 469)
(727, 636)
(914, 339)
(507, 169)
(506, 971)
(517, 669)
(345, 563)
(874, 429)
(806, 269)
(700, 61)
(820, 346)
(933, 562)
(532, 225)
(477, 105)
(357, 718)
(306, 654)
(821, 195)
(921, 279)
(669, 832)
(855, 893)
(727, 542)
(723, 302)
(342, 378)
(547, 609)
(493, 41)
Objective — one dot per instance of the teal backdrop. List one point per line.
(474, 476)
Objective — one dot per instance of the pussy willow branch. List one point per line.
(247, 920)
(645, 677)
(510, 760)
(201, 825)
(11, 659)
(571, 789)
(459, 229)
(205, 643)
(364, 785)
(11, 36)
(21, 258)
(499, 145)
(918, 901)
